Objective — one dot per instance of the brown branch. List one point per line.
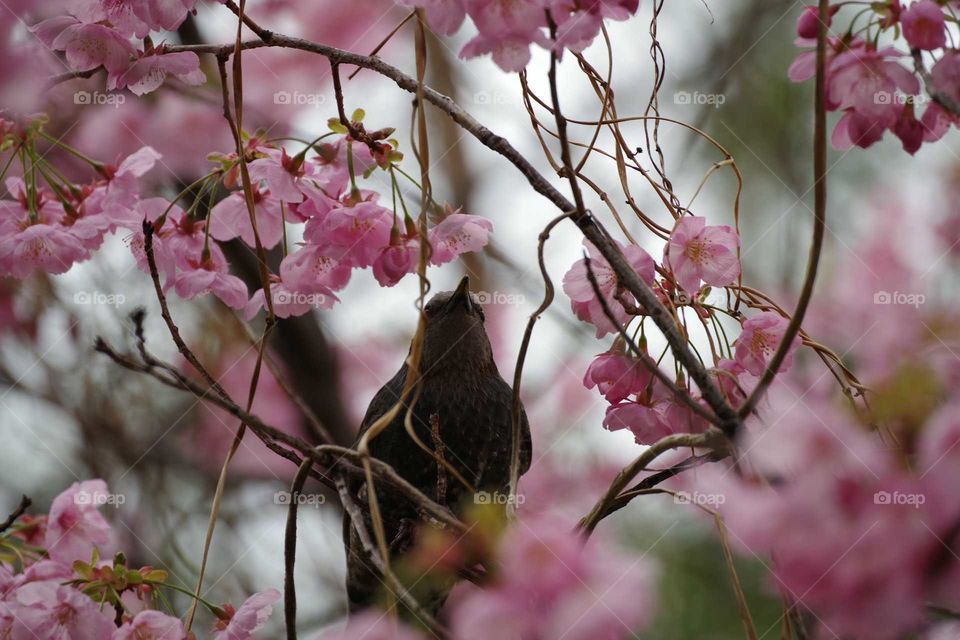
(710, 439)
(25, 503)
(326, 456)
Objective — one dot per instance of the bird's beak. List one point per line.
(461, 295)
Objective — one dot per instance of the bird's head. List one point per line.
(454, 335)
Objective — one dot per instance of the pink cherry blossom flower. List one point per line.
(230, 219)
(867, 80)
(946, 76)
(617, 376)
(372, 625)
(44, 247)
(286, 178)
(653, 415)
(175, 236)
(307, 281)
(760, 339)
(241, 623)
(854, 129)
(166, 15)
(910, 130)
(697, 252)
(151, 625)
(552, 585)
(122, 190)
(87, 46)
(506, 30)
(924, 26)
(48, 610)
(458, 233)
(936, 122)
(645, 420)
(397, 259)
(210, 274)
(808, 24)
(836, 479)
(585, 303)
(150, 70)
(289, 302)
(578, 21)
(361, 231)
(75, 527)
(315, 269)
(444, 16)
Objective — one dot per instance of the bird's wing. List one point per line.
(385, 398)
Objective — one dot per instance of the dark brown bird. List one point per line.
(464, 409)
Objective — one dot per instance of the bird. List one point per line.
(463, 411)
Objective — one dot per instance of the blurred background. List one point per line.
(68, 414)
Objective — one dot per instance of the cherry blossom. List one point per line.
(578, 22)
(230, 218)
(808, 24)
(397, 259)
(208, 274)
(654, 414)
(240, 624)
(151, 625)
(316, 269)
(149, 71)
(946, 76)
(285, 176)
(456, 234)
(924, 26)
(760, 339)
(699, 252)
(506, 30)
(444, 16)
(122, 189)
(867, 80)
(361, 231)
(617, 376)
(584, 301)
(85, 45)
(550, 586)
(75, 527)
(48, 610)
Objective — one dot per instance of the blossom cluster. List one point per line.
(52, 224)
(857, 534)
(507, 30)
(696, 257)
(53, 583)
(97, 34)
(870, 85)
(547, 584)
